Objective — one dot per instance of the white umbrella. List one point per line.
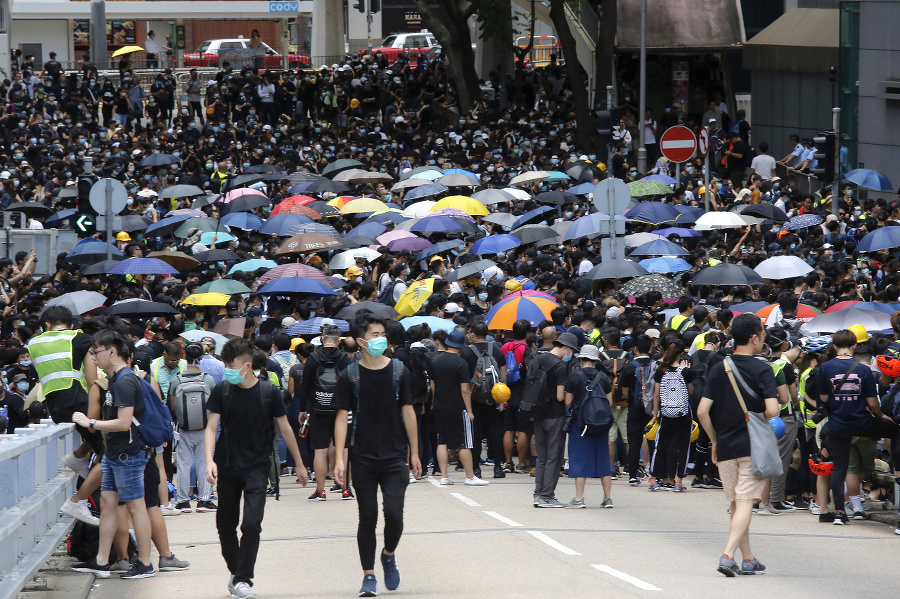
(78, 302)
(871, 320)
(348, 258)
(637, 239)
(519, 194)
(457, 180)
(197, 334)
(419, 209)
(348, 174)
(493, 196)
(783, 267)
(529, 177)
(409, 184)
(723, 220)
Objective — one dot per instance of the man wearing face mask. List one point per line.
(248, 409)
(23, 366)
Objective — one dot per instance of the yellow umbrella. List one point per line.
(363, 205)
(412, 300)
(127, 50)
(470, 206)
(207, 299)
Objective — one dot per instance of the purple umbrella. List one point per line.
(412, 244)
(142, 266)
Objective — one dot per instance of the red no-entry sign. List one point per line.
(678, 144)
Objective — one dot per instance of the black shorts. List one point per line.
(517, 421)
(321, 430)
(454, 429)
(95, 439)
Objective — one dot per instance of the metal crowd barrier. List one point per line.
(33, 486)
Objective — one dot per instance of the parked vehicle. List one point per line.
(237, 52)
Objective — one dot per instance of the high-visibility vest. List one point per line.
(806, 413)
(778, 365)
(51, 356)
(700, 340)
(273, 378)
(154, 372)
(676, 321)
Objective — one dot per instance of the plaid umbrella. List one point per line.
(317, 228)
(648, 187)
(803, 221)
(187, 211)
(424, 191)
(652, 282)
(313, 326)
(142, 266)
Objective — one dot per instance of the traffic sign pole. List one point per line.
(706, 180)
(109, 245)
(703, 148)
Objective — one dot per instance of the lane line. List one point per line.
(626, 577)
(434, 481)
(503, 519)
(553, 543)
(466, 500)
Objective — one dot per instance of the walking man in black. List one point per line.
(377, 390)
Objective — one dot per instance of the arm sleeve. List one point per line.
(406, 397)
(343, 393)
(277, 399)
(215, 400)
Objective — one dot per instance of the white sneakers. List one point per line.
(412, 478)
(242, 590)
(476, 482)
(169, 510)
(446, 481)
(81, 466)
(80, 511)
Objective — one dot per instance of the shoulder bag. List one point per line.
(765, 461)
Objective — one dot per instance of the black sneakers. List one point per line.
(92, 567)
(840, 519)
(139, 570)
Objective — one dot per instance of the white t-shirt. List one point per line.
(585, 267)
(649, 137)
(399, 289)
(763, 165)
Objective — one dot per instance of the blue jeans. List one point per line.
(124, 474)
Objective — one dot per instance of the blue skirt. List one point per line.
(588, 456)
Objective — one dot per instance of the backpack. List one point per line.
(157, 427)
(487, 374)
(513, 371)
(594, 411)
(353, 375)
(326, 383)
(649, 388)
(534, 395)
(674, 400)
(417, 361)
(386, 296)
(191, 396)
(286, 366)
(84, 540)
(700, 368)
(613, 368)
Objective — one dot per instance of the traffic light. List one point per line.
(375, 5)
(825, 146)
(360, 5)
(85, 182)
(607, 120)
(85, 224)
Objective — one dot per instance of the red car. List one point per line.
(237, 52)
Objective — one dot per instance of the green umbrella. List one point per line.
(652, 282)
(648, 187)
(226, 286)
(201, 223)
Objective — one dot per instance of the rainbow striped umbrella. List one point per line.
(519, 306)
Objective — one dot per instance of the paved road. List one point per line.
(489, 541)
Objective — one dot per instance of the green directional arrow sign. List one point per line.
(85, 223)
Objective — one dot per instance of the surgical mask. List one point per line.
(377, 346)
(22, 385)
(25, 363)
(568, 214)
(234, 376)
(482, 296)
(129, 202)
(567, 358)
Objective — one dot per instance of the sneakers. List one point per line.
(783, 508)
(498, 473)
(369, 586)
(475, 482)
(412, 478)
(317, 496)
(654, 487)
(81, 466)
(766, 509)
(634, 481)
(139, 570)
(537, 501)
(533, 472)
(206, 506)
(172, 564)
(523, 468)
(336, 488)
(799, 503)
(446, 481)
(860, 515)
(667, 486)
(169, 510)
(615, 473)
(728, 567)
(242, 590)
(840, 519)
(551, 502)
(509, 467)
(80, 511)
(347, 495)
(897, 530)
(713, 483)
(751, 567)
(575, 504)
(391, 572)
(826, 517)
(698, 483)
(678, 488)
(185, 507)
(271, 492)
(92, 567)
(231, 584)
(123, 565)
(814, 509)
(607, 503)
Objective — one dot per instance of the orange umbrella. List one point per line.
(300, 200)
(285, 208)
(340, 201)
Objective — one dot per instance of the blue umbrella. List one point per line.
(368, 229)
(752, 307)
(460, 171)
(803, 221)
(582, 188)
(424, 191)
(438, 222)
(888, 308)
(659, 247)
(56, 218)
(313, 326)
(885, 238)
(439, 247)
(665, 179)
(869, 177)
(252, 265)
(689, 214)
(206, 238)
(665, 264)
(531, 215)
(90, 251)
(318, 228)
(386, 217)
(653, 213)
(142, 266)
(494, 243)
(680, 231)
(281, 223)
(588, 226)
(166, 225)
(435, 323)
(296, 286)
(242, 220)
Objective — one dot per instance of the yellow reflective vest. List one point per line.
(806, 412)
(51, 355)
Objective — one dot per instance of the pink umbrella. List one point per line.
(236, 193)
(386, 238)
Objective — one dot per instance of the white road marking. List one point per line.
(553, 543)
(627, 578)
(678, 143)
(503, 519)
(466, 500)
(435, 481)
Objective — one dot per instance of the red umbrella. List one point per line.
(841, 305)
(300, 200)
(292, 208)
(294, 270)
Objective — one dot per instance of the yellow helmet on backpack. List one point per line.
(650, 431)
(695, 431)
(501, 393)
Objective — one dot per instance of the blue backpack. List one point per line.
(513, 370)
(157, 427)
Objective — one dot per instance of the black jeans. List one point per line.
(488, 424)
(636, 423)
(424, 438)
(241, 556)
(393, 477)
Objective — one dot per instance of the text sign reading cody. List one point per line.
(284, 7)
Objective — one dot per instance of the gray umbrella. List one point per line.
(472, 268)
(504, 219)
(616, 269)
(131, 222)
(379, 310)
(457, 180)
(533, 233)
(78, 302)
(727, 274)
(180, 191)
(493, 196)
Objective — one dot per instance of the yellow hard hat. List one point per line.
(295, 342)
(353, 271)
(501, 393)
(702, 189)
(602, 167)
(862, 335)
(695, 431)
(354, 103)
(123, 236)
(650, 431)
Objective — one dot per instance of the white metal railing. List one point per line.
(33, 486)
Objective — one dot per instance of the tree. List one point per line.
(584, 116)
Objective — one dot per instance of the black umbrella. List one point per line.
(379, 310)
(324, 208)
(140, 308)
(359, 241)
(31, 209)
(100, 268)
(131, 222)
(205, 200)
(56, 219)
(616, 269)
(261, 168)
(766, 211)
(340, 165)
(583, 172)
(255, 178)
(325, 185)
(472, 268)
(727, 274)
(533, 233)
(180, 191)
(557, 198)
(216, 256)
(246, 202)
(159, 160)
(70, 191)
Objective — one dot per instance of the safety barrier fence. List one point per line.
(33, 486)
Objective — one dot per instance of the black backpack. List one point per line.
(418, 364)
(323, 388)
(534, 394)
(386, 296)
(84, 540)
(487, 374)
(594, 411)
(700, 369)
(613, 369)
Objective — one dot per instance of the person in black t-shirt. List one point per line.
(242, 452)
(488, 421)
(384, 428)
